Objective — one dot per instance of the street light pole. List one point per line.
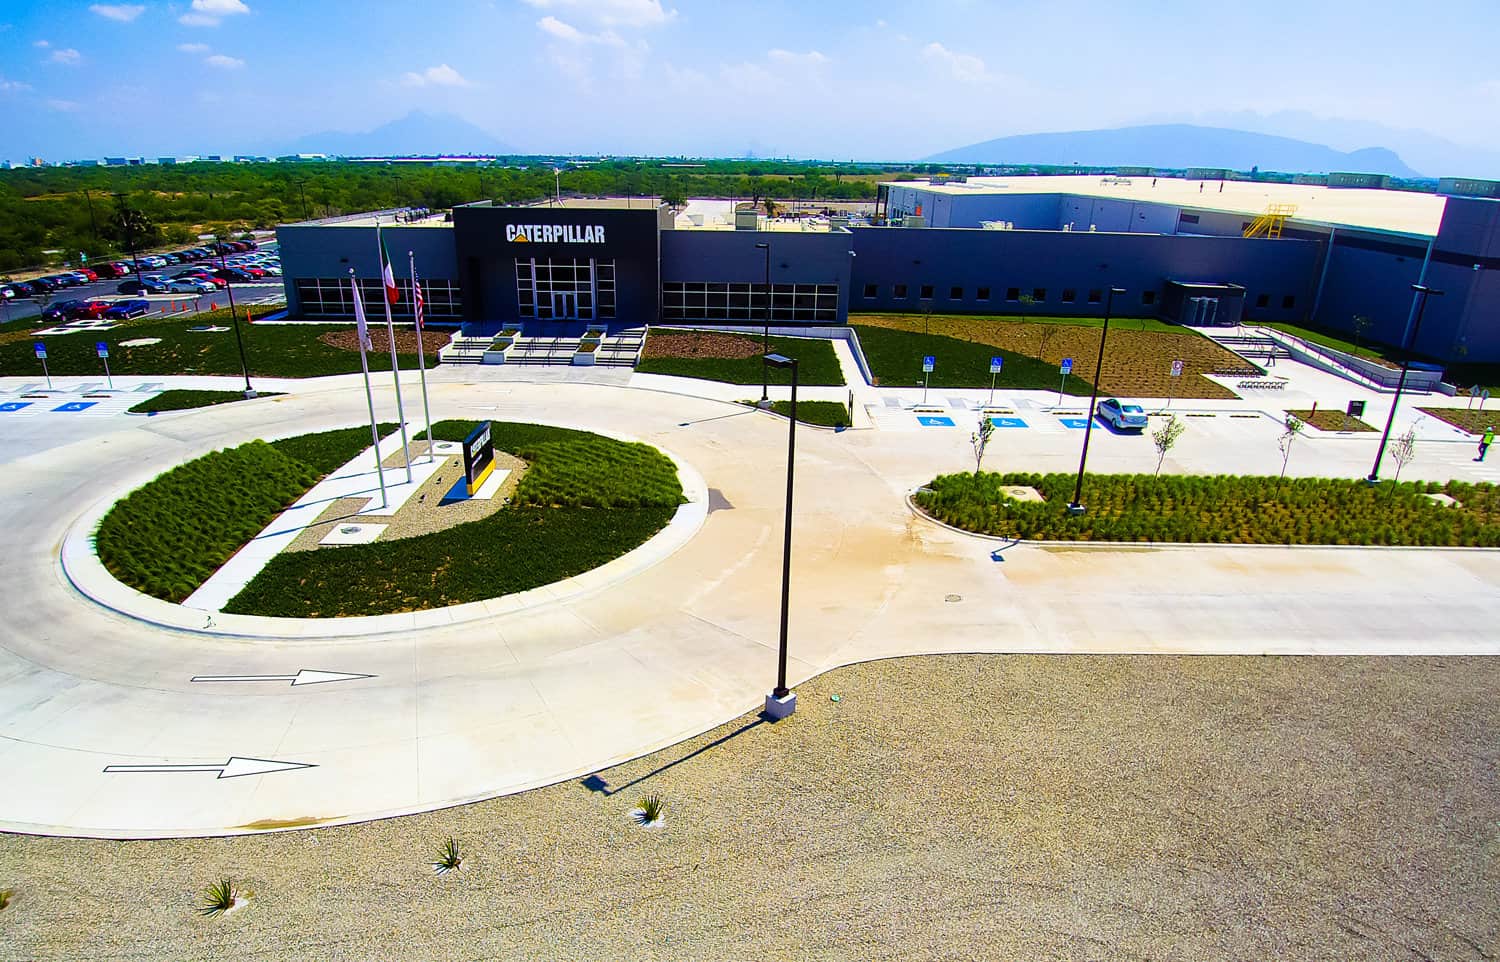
(1076, 505)
(781, 702)
(1422, 292)
(234, 317)
(765, 338)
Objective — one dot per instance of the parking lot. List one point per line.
(264, 291)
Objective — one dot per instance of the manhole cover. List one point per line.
(952, 598)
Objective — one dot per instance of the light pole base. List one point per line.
(250, 395)
(1077, 509)
(763, 403)
(779, 708)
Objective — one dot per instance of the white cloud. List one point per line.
(964, 67)
(208, 13)
(40, 43)
(562, 31)
(227, 63)
(622, 13)
(811, 58)
(66, 106)
(67, 55)
(12, 86)
(440, 76)
(193, 47)
(123, 12)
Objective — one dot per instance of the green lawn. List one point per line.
(1236, 510)
(183, 400)
(1375, 352)
(169, 535)
(818, 366)
(828, 414)
(895, 358)
(1115, 322)
(272, 350)
(583, 501)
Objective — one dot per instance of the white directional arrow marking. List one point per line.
(234, 768)
(306, 676)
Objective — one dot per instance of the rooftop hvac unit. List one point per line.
(914, 221)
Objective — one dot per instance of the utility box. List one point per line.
(746, 220)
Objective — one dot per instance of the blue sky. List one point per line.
(813, 78)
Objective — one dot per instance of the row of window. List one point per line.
(1036, 295)
(331, 297)
(560, 287)
(706, 301)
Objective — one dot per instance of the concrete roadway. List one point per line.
(562, 689)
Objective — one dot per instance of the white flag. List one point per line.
(360, 324)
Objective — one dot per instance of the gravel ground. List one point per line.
(424, 512)
(975, 807)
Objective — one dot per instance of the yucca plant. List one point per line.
(5, 896)
(448, 857)
(219, 898)
(648, 811)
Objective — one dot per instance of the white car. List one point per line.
(190, 285)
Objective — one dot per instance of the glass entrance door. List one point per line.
(564, 305)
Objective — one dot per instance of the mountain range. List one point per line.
(1176, 146)
(418, 133)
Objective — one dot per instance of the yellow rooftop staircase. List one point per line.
(1270, 221)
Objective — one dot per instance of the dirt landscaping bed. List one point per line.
(1473, 421)
(1137, 363)
(1330, 419)
(406, 340)
(700, 344)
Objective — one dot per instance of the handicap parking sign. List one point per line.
(1067, 365)
(101, 349)
(928, 363)
(1078, 424)
(996, 363)
(934, 421)
(40, 349)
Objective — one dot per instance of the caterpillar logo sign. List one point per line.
(554, 233)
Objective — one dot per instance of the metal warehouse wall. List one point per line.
(1116, 216)
(1057, 260)
(329, 251)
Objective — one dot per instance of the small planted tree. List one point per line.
(1165, 437)
(1361, 325)
(1293, 428)
(1404, 451)
(980, 440)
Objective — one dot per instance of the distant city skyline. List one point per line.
(870, 80)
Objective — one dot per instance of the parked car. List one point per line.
(1124, 417)
(93, 307)
(108, 271)
(233, 274)
(80, 278)
(60, 310)
(255, 272)
(21, 289)
(131, 308)
(43, 285)
(189, 285)
(88, 272)
(147, 285)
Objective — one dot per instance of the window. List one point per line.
(1012, 293)
(926, 292)
(1263, 300)
(982, 294)
(955, 293)
(1069, 295)
(1039, 294)
(558, 287)
(1148, 297)
(330, 297)
(871, 291)
(899, 291)
(1095, 296)
(745, 303)
(1288, 302)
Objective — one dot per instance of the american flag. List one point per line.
(416, 294)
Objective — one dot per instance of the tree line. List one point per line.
(50, 214)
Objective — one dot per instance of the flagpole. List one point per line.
(417, 307)
(390, 329)
(359, 312)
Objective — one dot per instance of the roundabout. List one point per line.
(119, 724)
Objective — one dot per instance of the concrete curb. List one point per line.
(916, 510)
(83, 570)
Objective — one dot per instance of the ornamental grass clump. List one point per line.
(648, 811)
(220, 898)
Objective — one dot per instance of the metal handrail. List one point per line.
(1272, 334)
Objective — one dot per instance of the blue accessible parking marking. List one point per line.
(14, 405)
(1078, 423)
(1008, 422)
(75, 406)
(935, 421)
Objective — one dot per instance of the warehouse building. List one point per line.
(1194, 251)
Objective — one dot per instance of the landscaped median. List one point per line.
(826, 414)
(583, 500)
(1221, 509)
(184, 400)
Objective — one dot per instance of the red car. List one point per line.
(252, 270)
(114, 269)
(90, 273)
(94, 308)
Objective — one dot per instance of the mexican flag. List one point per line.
(387, 273)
